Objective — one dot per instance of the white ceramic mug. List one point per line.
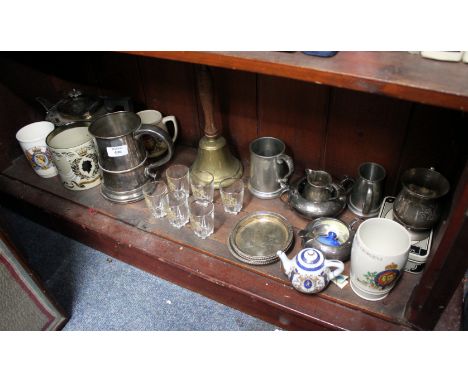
(74, 155)
(32, 140)
(156, 147)
(378, 255)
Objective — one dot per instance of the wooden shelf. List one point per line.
(128, 233)
(397, 74)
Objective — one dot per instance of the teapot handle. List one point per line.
(335, 264)
(155, 132)
(347, 183)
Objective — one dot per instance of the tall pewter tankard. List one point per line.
(270, 168)
(122, 156)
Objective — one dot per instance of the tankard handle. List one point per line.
(289, 162)
(155, 132)
(368, 201)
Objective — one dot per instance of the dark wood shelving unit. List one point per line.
(129, 233)
(395, 74)
(329, 112)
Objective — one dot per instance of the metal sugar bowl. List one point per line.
(122, 155)
(331, 236)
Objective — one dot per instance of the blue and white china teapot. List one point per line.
(308, 271)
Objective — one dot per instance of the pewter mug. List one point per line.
(367, 193)
(417, 206)
(270, 168)
(122, 156)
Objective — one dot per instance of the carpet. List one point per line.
(98, 292)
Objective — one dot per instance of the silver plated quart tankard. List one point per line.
(122, 155)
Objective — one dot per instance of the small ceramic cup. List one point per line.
(157, 147)
(378, 256)
(74, 155)
(32, 139)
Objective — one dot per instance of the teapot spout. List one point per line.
(287, 264)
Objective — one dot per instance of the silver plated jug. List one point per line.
(122, 155)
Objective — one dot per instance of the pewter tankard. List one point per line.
(122, 156)
(367, 193)
(270, 168)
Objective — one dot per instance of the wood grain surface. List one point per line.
(396, 74)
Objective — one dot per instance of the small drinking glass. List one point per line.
(232, 195)
(177, 177)
(155, 194)
(202, 217)
(202, 185)
(177, 211)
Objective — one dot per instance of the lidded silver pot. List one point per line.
(417, 205)
(122, 155)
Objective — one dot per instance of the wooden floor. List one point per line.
(129, 233)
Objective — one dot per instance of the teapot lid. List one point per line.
(329, 239)
(310, 260)
(78, 105)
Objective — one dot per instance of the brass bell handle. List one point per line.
(205, 91)
(157, 133)
(289, 162)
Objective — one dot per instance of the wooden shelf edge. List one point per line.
(405, 91)
(226, 283)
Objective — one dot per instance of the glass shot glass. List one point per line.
(232, 195)
(177, 177)
(155, 193)
(177, 210)
(202, 217)
(202, 185)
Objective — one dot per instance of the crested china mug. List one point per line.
(74, 155)
(156, 146)
(32, 139)
(378, 255)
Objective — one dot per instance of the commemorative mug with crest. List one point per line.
(32, 139)
(378, 255)
(74, 155)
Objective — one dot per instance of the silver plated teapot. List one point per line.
(299, 194)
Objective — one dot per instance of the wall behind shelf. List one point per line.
(323, 127)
